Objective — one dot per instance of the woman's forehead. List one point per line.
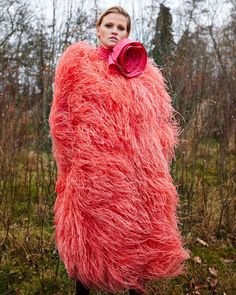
(115, 17)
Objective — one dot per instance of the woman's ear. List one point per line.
(98, 32)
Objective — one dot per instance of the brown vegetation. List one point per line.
(200, 70)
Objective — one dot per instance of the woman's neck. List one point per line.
(104, 52)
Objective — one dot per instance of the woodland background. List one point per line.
(200, 70)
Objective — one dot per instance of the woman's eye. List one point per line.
(121, 28)
(108, 26)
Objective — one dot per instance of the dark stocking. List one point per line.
(134, 292)
(81, 289)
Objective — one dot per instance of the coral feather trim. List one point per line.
(113, 140)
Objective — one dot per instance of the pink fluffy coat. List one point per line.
(113, 139)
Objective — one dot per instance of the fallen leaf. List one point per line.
(208, 279)
(213, 271)
(197, 259)
(200, 241)
(197, 287)
(214, 283)
(227, 260)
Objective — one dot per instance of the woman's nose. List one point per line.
(114, 31)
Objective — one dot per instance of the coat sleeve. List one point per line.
(61, 128)
(168, 127)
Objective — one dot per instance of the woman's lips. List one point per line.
(113, 38)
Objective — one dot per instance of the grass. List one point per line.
(29, 263)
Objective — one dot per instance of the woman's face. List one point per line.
(112, 29)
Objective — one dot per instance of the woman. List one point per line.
(113, 137)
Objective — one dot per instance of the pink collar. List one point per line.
(128, 58)
(104, 52)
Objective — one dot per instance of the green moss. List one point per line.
(209, 256)
(213, 258)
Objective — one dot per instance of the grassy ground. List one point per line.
(30, 265)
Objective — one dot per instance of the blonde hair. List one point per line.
(115, 9)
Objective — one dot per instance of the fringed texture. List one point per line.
(113, 139)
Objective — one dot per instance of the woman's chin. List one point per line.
(112, 43)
